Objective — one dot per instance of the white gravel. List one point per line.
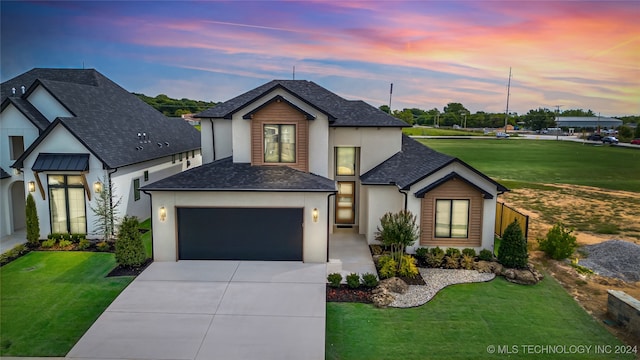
(436, 280)
(614, 258)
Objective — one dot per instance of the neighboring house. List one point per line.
(288, 163)
(63, 131)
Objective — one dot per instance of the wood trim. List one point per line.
(83, 179)
(40, 187)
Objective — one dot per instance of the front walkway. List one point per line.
(9, 241)
(349, 253)
(214, 310)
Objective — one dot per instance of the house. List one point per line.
(65, 132)
(288, 163)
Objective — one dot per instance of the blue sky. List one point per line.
(577, 54)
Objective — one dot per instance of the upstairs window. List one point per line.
(345, 161)
(279, 143)
(452, 218)
(16, 144)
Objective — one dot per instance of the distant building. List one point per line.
(593, 122)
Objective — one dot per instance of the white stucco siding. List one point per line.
(376, 144)
(318, 145)
(14, 123)
(47, 104)
(381, 199)
(165, 232)
(215, 132)
(241, 137)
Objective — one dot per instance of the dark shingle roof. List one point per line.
(341, 112)
(61, 162)
(4, 174)
(225, 175)
(107, 118)
(413, 163)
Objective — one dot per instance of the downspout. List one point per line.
(213, 140)
(111, 197)
(328, 221)
(406, 195)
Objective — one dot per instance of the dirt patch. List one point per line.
(598, 215)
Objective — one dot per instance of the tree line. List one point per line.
(175, 107)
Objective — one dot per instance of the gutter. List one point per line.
(213, 140)
(406, 195)
(328, 222)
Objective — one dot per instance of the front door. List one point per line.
(345, 202)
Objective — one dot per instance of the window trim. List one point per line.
(451, 207)
(295, 144)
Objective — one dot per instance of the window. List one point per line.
(452, 218)
(193, 154)
(16, 144)
(180, 156)
(173, 158)
(345, 161)
(146, 175)
(136, 189)
(279, 143)
(67, 204)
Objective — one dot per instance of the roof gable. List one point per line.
(28, 111)
(451, 176)
(278, 98)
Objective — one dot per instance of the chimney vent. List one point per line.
(23, 89)
(13, 90)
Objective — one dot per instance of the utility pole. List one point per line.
(390, 93)
(506, 113)
(557, 119)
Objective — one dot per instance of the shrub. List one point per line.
(49, 243)
(408, 267)
(75, 238)
(398, 230)
(485, 255)
(513, 247)
(33, 224)
(559, 243)
(103, 246)
(64, 243)
(370, 280)
(129, 246)
(376, 249)
(388, 267)
(421, 253)
(334, 279)
(453, 252)
(353, 281)
(84, 244)
(467, 261)
(452, 261)
(469, 251)
(435, 257)
(13, 253)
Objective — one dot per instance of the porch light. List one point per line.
(163, 213)
(97, 187)
(32, 186)
(314, 214)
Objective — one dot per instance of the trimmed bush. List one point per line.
(469, 251)
(369, 280)
(84, 244)
(435, 257)
(64, 243)
(129, 246)
(388, 267)
(513, 247)
(452, 261)
(408, 267)
(353, 281)
(49, 243)
(33, 224)
(103, 246)
(453, 252)
(467, 261)
(485, 255)
(559, 243)
(334, 279)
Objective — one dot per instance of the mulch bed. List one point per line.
(346, 294)
(129, 270)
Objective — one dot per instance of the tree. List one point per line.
(106, 210)
(33, 223)
(405, 115)
(129, 246)
(513, 247)
(397, 230)
(385, 108)
(559, 243)
(539, 119)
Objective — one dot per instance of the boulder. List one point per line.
(395, 285)
(489, 267)
(381, 297)
(528, 276)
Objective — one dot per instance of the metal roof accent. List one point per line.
(61, 162)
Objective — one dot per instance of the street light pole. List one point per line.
(506, 113)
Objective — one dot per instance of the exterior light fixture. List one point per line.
(314, 214)
(32, 186)
(163, 213)
(97, 187)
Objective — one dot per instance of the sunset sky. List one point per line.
(578, 54)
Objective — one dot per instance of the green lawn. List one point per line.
(422, 131)
(50, 299)
(525, 163)
(463, 320)
(146, 237)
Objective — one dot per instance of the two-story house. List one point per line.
(65, 134)
(289, 163)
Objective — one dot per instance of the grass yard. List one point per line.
(50, 299)
(526, 163)
(146, 237)
(463, 320)
(423, 131)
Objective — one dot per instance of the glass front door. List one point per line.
(345, 202)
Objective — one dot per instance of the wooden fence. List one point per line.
(505, 215)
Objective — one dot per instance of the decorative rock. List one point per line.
(529, 276)
(395, 285)
(381, 297)
(489, 267)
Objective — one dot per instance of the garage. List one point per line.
(240, 233)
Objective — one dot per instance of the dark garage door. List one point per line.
(240, 234)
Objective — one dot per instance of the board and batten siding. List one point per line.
(454, 189)
(279, 112)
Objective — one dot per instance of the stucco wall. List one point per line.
(376, 145)
(165, 232)
(47, 104)
(222, 132)
(381, 199)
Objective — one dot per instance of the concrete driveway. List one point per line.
(214, 310)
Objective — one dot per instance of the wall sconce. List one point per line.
(97, 187)
(32, 186)
(314, 214)
(163, 213)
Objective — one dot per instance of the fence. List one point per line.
(505, 215)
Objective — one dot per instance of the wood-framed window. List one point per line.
(345, 161)
(279, 143)
(452, 218)
(67, 204)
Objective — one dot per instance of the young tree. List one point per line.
(513, 248)
(33, 223)
(398, 231)
(106, 210)
(129, 246)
